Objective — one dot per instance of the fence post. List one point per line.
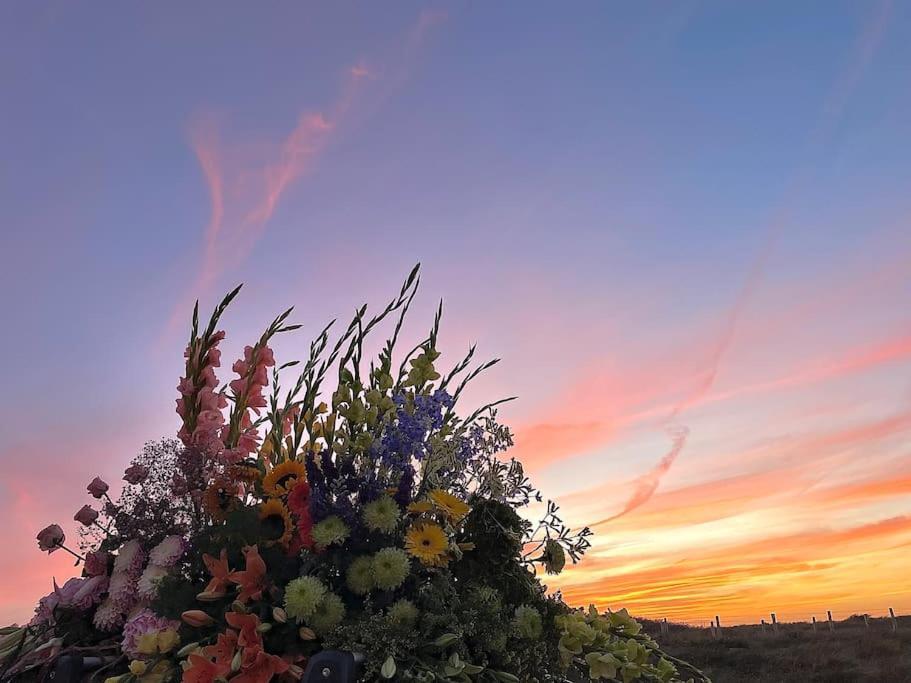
(814, 624)
(718, 625)
(774, 623)
(762, 624)
(893, 619)
(831, 624)
(866, 622)
(664, 626)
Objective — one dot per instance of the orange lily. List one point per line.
(220, 572)
(204, 670)
(224, 648)
(260, 667)
(245, 623)
(250, 581)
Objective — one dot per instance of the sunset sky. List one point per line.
(683, 226)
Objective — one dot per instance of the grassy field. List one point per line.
(850, 653)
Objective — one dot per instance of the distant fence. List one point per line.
(715, 627)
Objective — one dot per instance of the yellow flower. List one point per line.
(137, 667)
(276, 521)
(147, 643)
(452, 506)
(168, 640)
(420, 507)
(427, 542)
(281, 479)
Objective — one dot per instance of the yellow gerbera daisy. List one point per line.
(427, 542)
(280, 480)
(452, 506)
(420, 507)
(276, 522)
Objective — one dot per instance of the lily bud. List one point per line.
(264, 628)
(187, 649)
(295, 672)
(236, 661)
(206, 596)
(306, 633)
(196, 618)
(279, 615)
(239, 607)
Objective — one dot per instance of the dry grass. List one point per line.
(848, 654)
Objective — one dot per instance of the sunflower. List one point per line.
(220, 498)
(452, 506)
(276, 522)
(281, 479)
(245, 473)
(427, 542)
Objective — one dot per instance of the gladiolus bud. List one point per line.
(279, 615)
(197, 618)
(306, 633)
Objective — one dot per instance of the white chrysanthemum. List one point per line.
(129, 559)
(166, 553)
(122, 590)
(328, 615)
(108, 616)
(147, 586)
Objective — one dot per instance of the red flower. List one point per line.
(86, 515)
(50, 538)
(224, 648)
(246, 624)
(305, 529)
(259, 667)
(299, 499)
(204, 670)
(251, 579)
(220, 572)
(97, 487)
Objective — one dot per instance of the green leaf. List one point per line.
(445, 640)
(388, 668)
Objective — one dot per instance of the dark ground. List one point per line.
(744, 654)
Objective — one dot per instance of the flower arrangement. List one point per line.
(278, 525)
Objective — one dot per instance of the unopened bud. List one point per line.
(279, 615)
(295, 672)
(236, 661)
(187, 649)
(264, 628)
(306, 633)
(196, 618)
(239, 607)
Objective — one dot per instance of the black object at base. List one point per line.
(332, 666)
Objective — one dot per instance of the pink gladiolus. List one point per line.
(86, 515)
(50, 538)
(98, 487)
(185, 387)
